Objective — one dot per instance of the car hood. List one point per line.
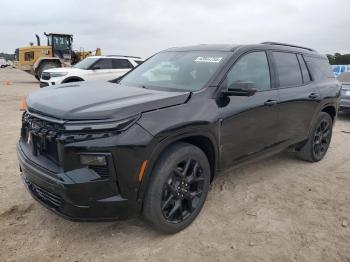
(97, 100)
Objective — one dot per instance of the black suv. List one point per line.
(151, 142)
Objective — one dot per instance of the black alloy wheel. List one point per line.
(319, 139)
(178, 188)
(183, 191)
(322, 138)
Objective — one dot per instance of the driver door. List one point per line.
(101, 70)
(249, 123)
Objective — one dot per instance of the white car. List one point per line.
(3, 62)
(91, 68)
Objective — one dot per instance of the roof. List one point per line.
(233, 47)
(205, 47)
(344, 77)
(115, 56)
(34, 47)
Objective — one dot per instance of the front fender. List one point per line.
(163, 143)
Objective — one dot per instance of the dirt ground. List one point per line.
(277, 209)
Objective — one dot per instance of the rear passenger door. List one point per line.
(298, 96)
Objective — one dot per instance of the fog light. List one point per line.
(93, 160)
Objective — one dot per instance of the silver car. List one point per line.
(344, 78)
(345, 97)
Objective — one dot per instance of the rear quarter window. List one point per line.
(320, 67)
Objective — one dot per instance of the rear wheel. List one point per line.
(320, 137)
(178, 188)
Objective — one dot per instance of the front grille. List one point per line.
(102, 171)
(45, 76)
(44, 195)
(41, 135)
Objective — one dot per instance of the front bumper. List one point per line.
(43, 84)
(51, 82)
(85, 199)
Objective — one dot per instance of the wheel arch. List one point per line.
(331, 110)
(72, 79)
(205, 141)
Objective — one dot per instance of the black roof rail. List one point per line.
(124, 56)
(283, 44)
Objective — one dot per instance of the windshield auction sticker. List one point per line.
(208, 59)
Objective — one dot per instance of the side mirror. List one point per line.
(240, 89)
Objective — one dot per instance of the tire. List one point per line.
(44, 66)
(178, 188)
(319, 139)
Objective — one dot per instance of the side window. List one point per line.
(103, 63)
(304, 70)
(320, 67)
(252, 67)
(28, 56)
(288, 69)
(121, 64)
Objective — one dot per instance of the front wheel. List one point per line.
(320, 137)
(178, 188)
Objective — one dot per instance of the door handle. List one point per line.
(270, 102)
(314, 95)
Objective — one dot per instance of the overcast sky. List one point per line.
(145, 27)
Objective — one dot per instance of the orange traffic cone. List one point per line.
(23, 104)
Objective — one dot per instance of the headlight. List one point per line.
(58, 74)
(118, 125)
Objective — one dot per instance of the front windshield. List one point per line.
(183, 70)
(86, 63)
(61, 42)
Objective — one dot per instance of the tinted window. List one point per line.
(320, 67)
(252, 67)
(121, 64)
(86, 63)
(304, 70)
(28, 56)
(172, 71)
(288, 69)
(103, 64)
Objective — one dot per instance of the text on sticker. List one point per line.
(208, 59)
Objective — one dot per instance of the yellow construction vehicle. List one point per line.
(57, 53)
